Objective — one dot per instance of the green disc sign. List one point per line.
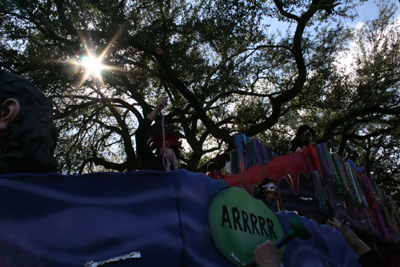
(239, 223)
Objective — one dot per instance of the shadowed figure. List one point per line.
(28, 135)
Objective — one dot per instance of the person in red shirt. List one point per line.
(213, 170)
(303, 137)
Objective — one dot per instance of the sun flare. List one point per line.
(92, 65)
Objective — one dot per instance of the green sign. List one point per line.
(239, 223)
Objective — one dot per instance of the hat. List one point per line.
(212, 166)
(304, 128)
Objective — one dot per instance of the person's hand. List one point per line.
(162, 103)
(168, 153)
(268, 255)
(299, 150)
(341, 226)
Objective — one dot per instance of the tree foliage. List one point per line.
(355, 100)
(222, 70)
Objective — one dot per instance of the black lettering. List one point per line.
(245, 219)
(236, 218)
(271, 227)
(254, 223)
(225, 217)
(262, 226)
(253, 219)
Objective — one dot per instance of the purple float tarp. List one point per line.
(57, 220)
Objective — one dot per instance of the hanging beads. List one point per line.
(166, 162)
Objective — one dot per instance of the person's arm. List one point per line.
(368, 257)
(268, 255)
(162, 103)
(143, 153)
(295, 145)
(291, 149)
(146, 157)
(351, 238)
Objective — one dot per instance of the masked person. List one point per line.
(266, 192)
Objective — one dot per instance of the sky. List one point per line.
(369, 10)
(366, 11)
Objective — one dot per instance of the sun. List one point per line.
(92, 66)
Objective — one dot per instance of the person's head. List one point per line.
(352, 153)
(212, 166)
(172, 139)
(28, 136)
(267, 189)
(305, 133)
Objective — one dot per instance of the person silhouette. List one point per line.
(28, 135)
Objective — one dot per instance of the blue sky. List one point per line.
(366, 11)
(369, 10)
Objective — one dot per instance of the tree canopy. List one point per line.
(225, 69)
(359, 104)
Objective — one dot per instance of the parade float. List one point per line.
(180, 218)
(319, 185)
